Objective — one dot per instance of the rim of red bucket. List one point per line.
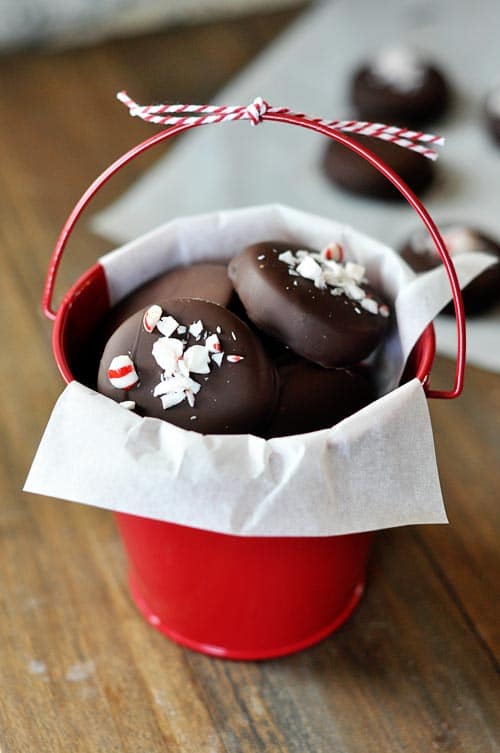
(426, 343)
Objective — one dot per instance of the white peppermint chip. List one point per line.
(196, 328)
(197, 359)
(167, 325)
(369, 304)
(217, 358)
(309, 269)
(288, 258)
(151, 317)
(384, 311)
(183, 369)
(213, 344)
(166, 351)
(177, 383)
(333, 275)
(181, 329)
(171, 399)
(355, 271)
(127, 404)
(354, 291)
(190, 398)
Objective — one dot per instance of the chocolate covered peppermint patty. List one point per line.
(192, 363)
(398, 86)
(348, 170)
(317, 304)
(312, 397)
(480, 294)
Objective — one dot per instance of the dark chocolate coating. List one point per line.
(375, 100)
(353, 173)
(329, 330)
(480, 294)
(235, 398)
(313, 398)
(206, 280)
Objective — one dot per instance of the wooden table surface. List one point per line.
(414, 670)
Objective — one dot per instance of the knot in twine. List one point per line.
(256, 110)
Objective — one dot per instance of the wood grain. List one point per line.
(414, 670)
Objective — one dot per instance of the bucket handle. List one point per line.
(313, 125)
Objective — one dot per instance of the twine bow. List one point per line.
(255, 112)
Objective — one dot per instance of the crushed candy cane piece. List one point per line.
(354, 291)
(196, 359)
(122, 373)
(128, 404)
(213, 344)
(369, 304)
(288, 258)
(166, 352)
(171, 399)
(355, 271)
(167, 325)
(217, 358)
(333, 252)
(151, 317)
(177, 383)
(196, 328)
(234, 358)
(181, 329)
(309, 268)
(383, 310)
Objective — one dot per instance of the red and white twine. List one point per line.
(255, 112)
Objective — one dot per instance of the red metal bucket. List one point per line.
(233, 596)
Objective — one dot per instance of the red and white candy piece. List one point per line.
(213, 344)
(333, 252)
(151, 317)
(234, 358)
(122, 373)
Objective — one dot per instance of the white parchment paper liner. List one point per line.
(376, 469)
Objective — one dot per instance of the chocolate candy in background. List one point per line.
(492, 108)
(353, 173)
(235, 398)
(208, 281)
(398, 87)
(480, 294)
(330, 330)
(313, 398)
